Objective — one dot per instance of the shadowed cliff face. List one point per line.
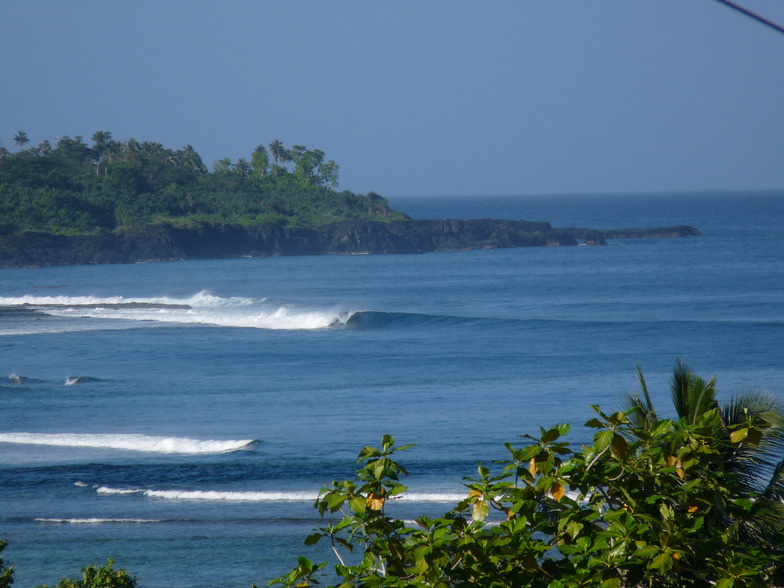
(212, 240)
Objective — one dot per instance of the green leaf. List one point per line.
(647, 552)
(335, 501)
(595, 424)
(358, 504)
(397, 489)
(574, 528)
(739, 435)
(666, 512)
(530, 452)
(602, 439)
(480, 510)
(313, 538)
(662, 562)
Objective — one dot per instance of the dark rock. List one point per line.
(217, 240)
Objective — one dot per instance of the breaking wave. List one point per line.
(95, 521)
(264, 496)
(142, 443)
(74, 380)
(202, 308)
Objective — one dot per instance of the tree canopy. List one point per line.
(78, 188)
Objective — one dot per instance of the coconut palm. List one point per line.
(242, 168)
(21, 138)
(748, 432)
(279, 153)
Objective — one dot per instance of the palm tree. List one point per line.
(242, 168)
(748, 432)
(21, 138)
(278, 151)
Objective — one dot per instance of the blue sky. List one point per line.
(418, 97)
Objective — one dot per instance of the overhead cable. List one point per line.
(753, 15)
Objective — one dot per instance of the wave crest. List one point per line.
(266, 496)
(142, 443)
(202, 308)
(95, 521)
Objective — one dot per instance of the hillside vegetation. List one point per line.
(75, 188)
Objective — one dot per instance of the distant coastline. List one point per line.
(130, 201)
(166, 242)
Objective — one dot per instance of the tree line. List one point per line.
(73, 187)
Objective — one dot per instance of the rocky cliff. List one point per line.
(213, 240)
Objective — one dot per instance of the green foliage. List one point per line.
(6, 574)
(651, 502)
(75, 188)
(103, 577)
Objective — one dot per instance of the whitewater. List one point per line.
(202, 308)
(143, 443)
(183, 417)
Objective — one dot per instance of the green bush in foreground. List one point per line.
(651, 502)
(103, 577)
(92, 576)
(6, 574)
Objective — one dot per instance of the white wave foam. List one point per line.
(216, 495)
(143, 443)
(105, 490)
(201, 308)
(264, 496)
(201, 299)
(431, 497)
(96, 521)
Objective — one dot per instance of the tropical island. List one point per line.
(128, 201)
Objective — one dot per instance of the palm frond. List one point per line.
(640, 411)
(692, 396)
(758, 464)
(764, 523)
(775, 488)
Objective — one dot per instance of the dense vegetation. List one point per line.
(651, 502)
(694, 501)
(76, 188)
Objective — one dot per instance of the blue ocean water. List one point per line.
(180, 417)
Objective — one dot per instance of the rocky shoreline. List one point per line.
(166, 242)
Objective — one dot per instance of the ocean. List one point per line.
(181, 417)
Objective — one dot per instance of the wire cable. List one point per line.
(753, 15)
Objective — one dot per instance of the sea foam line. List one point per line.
(144, 443)
(202, 299)
(95, 521)
(264, 496)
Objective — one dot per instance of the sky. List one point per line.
(418, 97)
